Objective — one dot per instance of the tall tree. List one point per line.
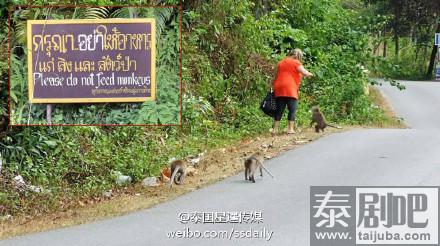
(433, 54)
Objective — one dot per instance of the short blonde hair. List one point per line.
(297, 54)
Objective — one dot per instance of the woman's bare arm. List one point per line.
(306, 73)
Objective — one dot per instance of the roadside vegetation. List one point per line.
(230, 49)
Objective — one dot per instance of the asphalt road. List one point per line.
(376, 157)
(418, 104)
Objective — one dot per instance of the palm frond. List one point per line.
(162, 15)
(21, 16)
(128, 12)
(96, 13)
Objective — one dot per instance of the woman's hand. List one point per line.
(304, 72)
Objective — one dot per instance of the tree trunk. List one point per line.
(431, 62)
(385, 42)
(417, 52)
(266, 6)
(432, 59)
(375, 48)
(396, 27)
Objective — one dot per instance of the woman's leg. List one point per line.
(292, 104)
(276, 127)
(281, 106)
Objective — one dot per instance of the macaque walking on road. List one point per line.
(251, 164)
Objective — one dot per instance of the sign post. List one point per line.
(91, 61)
(437, 67)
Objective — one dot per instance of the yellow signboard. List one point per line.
(86, 61)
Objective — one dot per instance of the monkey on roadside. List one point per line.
(250, 167)
(178, 172)
(319, 119)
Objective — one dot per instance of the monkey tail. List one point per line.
(337, 127)
(265, 169)
(173, 176)
(181, 177)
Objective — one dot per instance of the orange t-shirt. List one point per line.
(288, 79)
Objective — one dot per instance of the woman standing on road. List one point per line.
(286, 88)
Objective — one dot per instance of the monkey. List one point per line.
(178, 172)
(250, 167)
(319, 119)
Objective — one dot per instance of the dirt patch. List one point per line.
(215, 165)
(392, 121)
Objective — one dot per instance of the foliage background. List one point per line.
(230, 49)
(402, 33)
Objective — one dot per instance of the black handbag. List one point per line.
(268, 105)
